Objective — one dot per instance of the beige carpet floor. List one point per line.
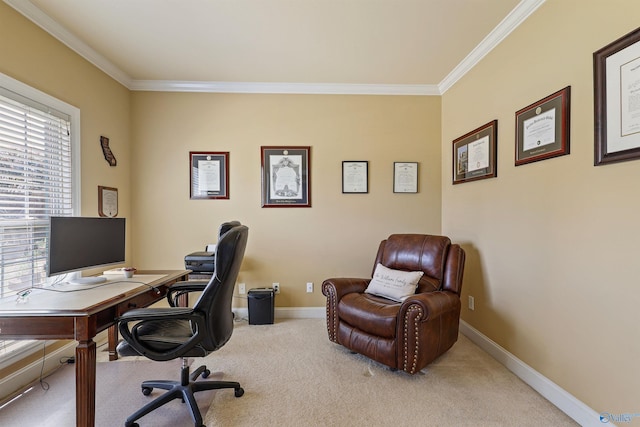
(293, 376)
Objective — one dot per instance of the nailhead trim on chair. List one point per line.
(410, 311)
(332, 327)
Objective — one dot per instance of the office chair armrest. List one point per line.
(184, 288)
(133, 323)
(156, 313)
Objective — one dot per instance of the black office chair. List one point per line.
(178, 289)
(163, 334)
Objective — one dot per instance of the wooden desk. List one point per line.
(81, 315)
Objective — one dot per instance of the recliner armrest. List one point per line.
(341, 286)
(433, 304)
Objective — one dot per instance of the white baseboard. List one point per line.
(21, 378)
(567, 403)
(289, 312)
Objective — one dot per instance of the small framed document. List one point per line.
(107, 201)
(355, 176)
(405, 177)
(542, 128)
(475, 154)
(209, 174)
(616, 74)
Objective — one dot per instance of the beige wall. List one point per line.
(552, 246)
(338, 235)
(32, 56)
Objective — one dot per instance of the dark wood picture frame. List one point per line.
(480, 147)
(208, 175)
(542, 128)
(405, 177)
(286, 176)
(355, 176)
(616, 75)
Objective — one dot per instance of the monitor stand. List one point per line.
(92, 280)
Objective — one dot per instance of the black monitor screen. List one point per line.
(79, 243)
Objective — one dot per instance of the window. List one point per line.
(39, 177)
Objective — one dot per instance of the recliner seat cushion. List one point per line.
(369, 313)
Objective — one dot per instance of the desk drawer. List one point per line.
(143, 300)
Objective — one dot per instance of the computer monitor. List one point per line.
(81, 243)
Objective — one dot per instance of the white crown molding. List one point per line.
(44, 21)
(516, 17)
(41, 19)
(283, 88)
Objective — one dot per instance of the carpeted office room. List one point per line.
(549, 244)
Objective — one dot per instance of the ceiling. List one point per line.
(332, 46)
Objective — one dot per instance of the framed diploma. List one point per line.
(209, 175)
(405, 177)
(475, 154)
(286, 177)
(107, 201)
(355, 176)
(542, 128)
(616, 74)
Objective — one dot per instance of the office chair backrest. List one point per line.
(215, 301)
(226, 226)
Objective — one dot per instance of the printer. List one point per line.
(201, 262)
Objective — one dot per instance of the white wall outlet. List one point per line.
(276, 287)
(242, 288)
(472, 303)
(309, 287)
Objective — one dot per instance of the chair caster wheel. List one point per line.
(239, 392)
(206, 373)
(146, 391)
(131, 425)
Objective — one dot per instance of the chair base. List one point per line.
(185, 390)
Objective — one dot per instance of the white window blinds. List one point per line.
(35, 183)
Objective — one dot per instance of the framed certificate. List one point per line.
(475, 154)
(209, 175)
(405, 177)
(616, 74)
(355, 176)
(542, 128)
(107, 201)
(286, 177)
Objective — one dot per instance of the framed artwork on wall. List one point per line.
(107, 201)
(616, 75)
(355, 176)
(209, 175)
(286, 177)
(475, 154)
(542, 128)
(405, 177)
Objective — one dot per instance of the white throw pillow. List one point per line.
(395, 285)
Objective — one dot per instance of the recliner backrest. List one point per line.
(416, 252)
(215, 302)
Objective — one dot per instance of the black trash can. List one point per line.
(261, 301)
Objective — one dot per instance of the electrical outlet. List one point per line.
(276, 287)
(472, 303)
(309, 287)
(242, 288)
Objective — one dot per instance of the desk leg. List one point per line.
(112, 342)
(86, 383)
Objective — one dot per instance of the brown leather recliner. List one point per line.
(404, 335)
